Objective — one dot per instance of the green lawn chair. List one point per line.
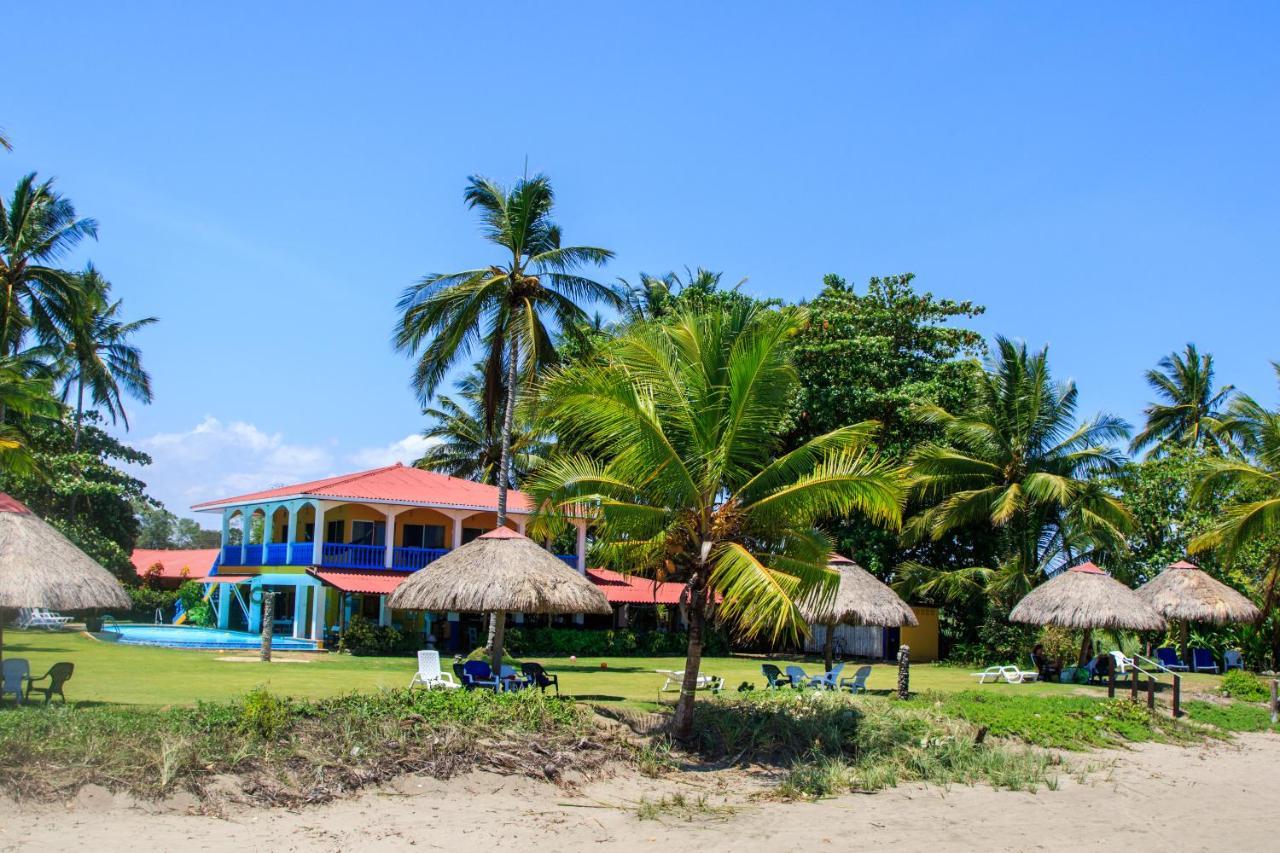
(58, 675)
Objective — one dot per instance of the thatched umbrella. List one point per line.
(1184, 593)
(499, 572)
(1085, 597)
(860, 599)
(39, 567)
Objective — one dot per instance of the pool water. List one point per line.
(192, 637)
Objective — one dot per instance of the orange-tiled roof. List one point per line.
(629, 589)
(392, 484)
(365, 583)
(197, 561)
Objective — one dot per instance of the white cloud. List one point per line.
(406, 450)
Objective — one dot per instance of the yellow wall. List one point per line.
(923, 638)
(422, 515)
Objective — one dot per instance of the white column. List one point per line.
(581, 552)
(255, 610)
(384, 612)
(389, 556)
(317, 546)
(290, 533)
(456, 518)
(226, 529)
(299, 611)
(224, 605)
(320, 598)
(267, 523)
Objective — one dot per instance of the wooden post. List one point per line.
(1133, 683)
(1151, 692)
(904, 671)
(268, 622)
(1177, 696)
(1275, 701)
(1111, 680)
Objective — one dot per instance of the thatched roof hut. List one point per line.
(39, 567)
(859, 599)
(499, 572)
(1085, 597)
(1185, 593)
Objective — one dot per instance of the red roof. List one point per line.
(197, 561)
(366, 583)
(629, 589)
(392, 484)
(12, 504)
(1087, 569)
(1183, 564)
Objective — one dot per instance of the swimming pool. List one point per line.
(192, 637)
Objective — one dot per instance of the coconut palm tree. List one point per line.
(676, 423)
(26, 391)
(37, 228)
(1017, 462)
(1252, 518)
(503, 308)
(465, 445)
(94, 347)
(1191, 412)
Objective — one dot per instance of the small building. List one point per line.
(169, 568)
(335, 547)
(874, 643)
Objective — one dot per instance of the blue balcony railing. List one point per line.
(342, 556)
(253, 555)
(230, 556)
(412, 559)
(303, 554)
(277, 554)
(570, 559)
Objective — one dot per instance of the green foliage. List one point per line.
(199, 612)
(159, 528)
(1061, 722)
(562, 642)
(264, 715)
(1245, 687)
(1191, 412)
(1232, 717)
(366, 638)
(147, 600)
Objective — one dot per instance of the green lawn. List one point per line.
(143, 675)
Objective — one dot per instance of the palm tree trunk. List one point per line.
(504, 466)
(76, 443)
(828, 645)
(683, 719)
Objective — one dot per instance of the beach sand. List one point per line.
(1153, 797)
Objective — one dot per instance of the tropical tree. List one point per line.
(1190, 412)
(94, 347)
(1252, 518)
(466, 445)
(503, 308)
(655, 297)
(1018, 462)
(26, 394)
(37, 228)
(677, 426)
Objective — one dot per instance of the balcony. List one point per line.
(334, 555)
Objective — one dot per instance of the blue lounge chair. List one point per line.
(1169, 659)
(1232, 659)
(1202, 661)
(476, 673)
(829, 680)
(858, 682)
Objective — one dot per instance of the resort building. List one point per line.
(335, 547)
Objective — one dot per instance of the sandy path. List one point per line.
(1218, 797)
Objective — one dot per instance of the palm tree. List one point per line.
(1252, 517)
(677, 426)
(1017, 462)
(37, 227)
(4, 141)
(465, 445)
(26, 390)
(1191, 413)
(502, 308)
(95, 349)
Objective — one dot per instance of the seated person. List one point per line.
(1046, 669)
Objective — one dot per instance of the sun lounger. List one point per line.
(1202, 661)
(1168, 658)
(13, 677)
(858, 683)
(1232, 659)
(829, 680)
(675, 678)
(1010, 674)
(58, 675)
(429, 674)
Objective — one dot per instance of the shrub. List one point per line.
(263, 715)
(364, 638)
(562, 642)
(1244, 686)
(199, 611)
(146, 601)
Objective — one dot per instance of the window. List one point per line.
(334, 530)
(470, 533)
(368, 533)
(424, 536)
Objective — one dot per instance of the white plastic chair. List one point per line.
(829, 680)
(15, 674)
(429, 674)
(1123, 664)
(675, 678)
(858, 682)
(799, 678)
(1010, 674)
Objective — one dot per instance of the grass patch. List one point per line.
(1231, 717)
(288, 751)
(680, 807)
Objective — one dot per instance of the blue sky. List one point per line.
(269, 177)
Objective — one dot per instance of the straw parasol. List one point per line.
(1185, 593)
(499, 572)
(39, 567)
(860, 599)
(1085, 597)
